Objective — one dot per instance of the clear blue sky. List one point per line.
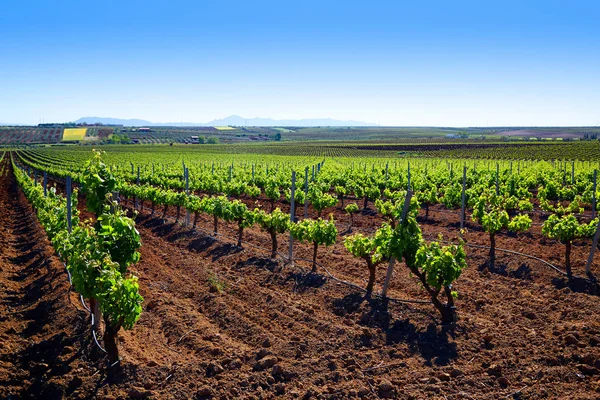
(442, 63)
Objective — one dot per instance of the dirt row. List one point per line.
(45, 351)
(222, 322)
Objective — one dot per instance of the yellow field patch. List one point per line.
(72, 134)
(225, 128)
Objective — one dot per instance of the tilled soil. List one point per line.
(45, 344)
(225, 322)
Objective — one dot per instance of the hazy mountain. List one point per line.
(112, 121)
(235, 120)
(239, 121)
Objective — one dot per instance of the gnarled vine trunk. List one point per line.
(215, 224)
(447, 311)
(371, 268)
(240, 233)
(314, 265)
(273, 244)
(492, 263)
(110, 340)
(95, 308)
(568, 260)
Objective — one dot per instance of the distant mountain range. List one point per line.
(233, 120)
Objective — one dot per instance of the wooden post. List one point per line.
(462, 207)
(593, 250)
(572, 172)
(306, 192)
(187, 191)
(138, 182)
(69, 211)
(45, 184)
(390, 269)
(497, 177)
(594, 195)
(292, 213)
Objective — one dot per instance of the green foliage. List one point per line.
(299, 196)
(239, 212)
(490, 213)
(215, 284)
(97, 256)
(319, 231)
(272, 191)
(252, 191)
(119, 237)
(441, 266)
(99, 183)
(352, 208)
(119, 297)
(217, 206)
(320, 200)
(274, 222)
(566, 228)
(359, 245)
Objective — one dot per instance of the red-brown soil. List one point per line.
(275, 330)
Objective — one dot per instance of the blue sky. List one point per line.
(434, 63)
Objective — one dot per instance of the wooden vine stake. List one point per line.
(592, 251)
(594, 195)
(292, 213)
(462, 209)
(69, 188)
(187, 192)
(306, 192)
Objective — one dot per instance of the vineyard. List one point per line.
(314, 270)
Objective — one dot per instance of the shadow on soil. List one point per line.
(223, 250)
(432, 344)
(578, 285)
(260, 263)
(522, 272)
(201, 244)
(304, 281)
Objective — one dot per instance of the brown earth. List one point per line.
(228, 323)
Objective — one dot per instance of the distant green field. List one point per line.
(524, 150)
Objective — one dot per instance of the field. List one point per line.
(307, 136)
(224, 315)
(74, 134)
